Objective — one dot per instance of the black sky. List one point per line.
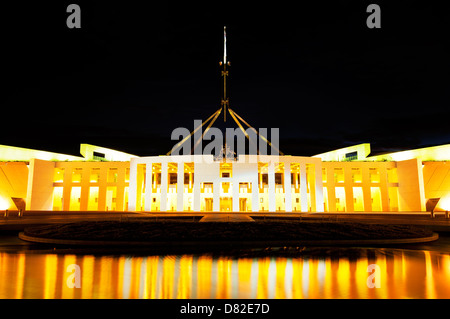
(135, 71)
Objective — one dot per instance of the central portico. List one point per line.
(249, 183)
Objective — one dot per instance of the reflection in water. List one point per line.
(403, 274)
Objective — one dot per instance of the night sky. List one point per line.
(135, 72)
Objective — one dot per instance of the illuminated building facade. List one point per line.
(344, 180)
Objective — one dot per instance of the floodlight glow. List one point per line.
(444, 203)
(4, 204)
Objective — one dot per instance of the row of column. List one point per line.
(315, 184)
(316, 181)
(85, 184)
(366, 185)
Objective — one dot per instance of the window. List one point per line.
(93, 198)
(340, 199)
(98, 156)
(265, 179)
(173, 178)
(158, 178)
(351, 156)
(127, 174)
(112, 175)
(358, 199)
(338, 175)
(374, 175)
(76, 175)
(75, 195)
(375, 195)
(278, 178)
(95, 175)
(356, 175)
(225, 174)
(59, 175)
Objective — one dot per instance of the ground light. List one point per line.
(4, 204)
(444, 205)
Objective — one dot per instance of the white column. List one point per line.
(148, 186)
(164, 183)
(180, 187)
(196, 195)
(196, 190)
(235, 186)
(303, 190)
(255, 193)
(287, 188)
(216, 196)
(132, 189)
(319, 188)
(271, 190)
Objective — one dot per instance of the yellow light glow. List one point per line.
(4, 204)
(444, 203)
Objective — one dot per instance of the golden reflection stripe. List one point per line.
(343, 275)
(103, 274)
(361, 276)
(398, 275)
(263, 274)
(244, 277)
(305, 278)
(223, 278)
(254, 279)
(204, 277)
(383, 291)
(429, 278)
(296, 279)
(87, 277)
(135, 277)
(67, 293)
(321, 275)
(120, 272)
(313, 278)
(150, 278)
(185, 279)
(142, 278)
(167, 277)
(20, 276)
(327, 289)
(126, 278)
(445, 270)
(12, 269)
(51, 269)
(280, 268)
(287, 284)
(3, 274)
(423, 274)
